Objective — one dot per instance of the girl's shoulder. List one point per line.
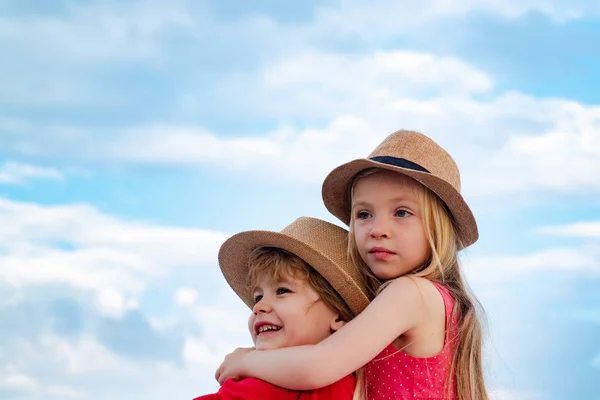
(417, 287)
(431, 306)
(407, 299)
(423, 296)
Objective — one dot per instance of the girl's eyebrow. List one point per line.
(364, 203)
(402, 199)
(361, 203)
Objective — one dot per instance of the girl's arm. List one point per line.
(399, 308)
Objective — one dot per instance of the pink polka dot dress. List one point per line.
(394, 374)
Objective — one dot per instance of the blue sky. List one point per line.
(136, 136)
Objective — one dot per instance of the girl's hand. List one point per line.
(231, 367)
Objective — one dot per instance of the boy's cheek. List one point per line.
(251, 327)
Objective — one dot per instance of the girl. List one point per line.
(420, 337)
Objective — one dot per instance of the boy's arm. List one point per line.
(397, 309)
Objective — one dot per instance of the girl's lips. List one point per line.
(381, 255)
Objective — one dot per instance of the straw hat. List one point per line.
(415, 155)
(320, 244)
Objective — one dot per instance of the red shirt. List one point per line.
(255, 389)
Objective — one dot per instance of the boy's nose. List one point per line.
(262, 306)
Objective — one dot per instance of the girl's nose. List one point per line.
(379, 229)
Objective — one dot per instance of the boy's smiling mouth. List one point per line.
(265, 327)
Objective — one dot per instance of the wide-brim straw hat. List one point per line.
(320, 244)
(417, 156)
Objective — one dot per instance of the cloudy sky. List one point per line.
(136, 136)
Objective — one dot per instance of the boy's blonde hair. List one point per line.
(443, 267)
(277, 264)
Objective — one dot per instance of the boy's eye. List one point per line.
(257, 298)
(362, 215)
(402, 213)
(283, 290)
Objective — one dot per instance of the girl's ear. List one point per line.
(337, 323)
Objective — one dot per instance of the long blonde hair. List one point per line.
(443, 267)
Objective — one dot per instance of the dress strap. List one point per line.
(448, 305)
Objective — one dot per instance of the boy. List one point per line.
(301, 287)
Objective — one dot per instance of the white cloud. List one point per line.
(100, 30)
(77, 45)
(378, 19)
(318, 85)
(285, 153)
(404, 71)
(79, 246)
(224, 319)
(105, 31)
(79, 356)
(114, 259)
(199, 352)
(172, 145)
(510, 143)
(224, 329)
(62, 392)
(224, 323)
(12, 379)
(95, 30)
(18, 381)
(55, 367)
(88, 40)
(498, 269)
(89, 369)
(111, 302)
(586, 230)
(14, 173)
(186, 297)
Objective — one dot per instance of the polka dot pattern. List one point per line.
(394, 374)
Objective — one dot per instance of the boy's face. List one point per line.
(289, 313)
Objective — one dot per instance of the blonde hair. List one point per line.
(443, 267)
(277, 264)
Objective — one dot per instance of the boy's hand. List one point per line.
(231, 367)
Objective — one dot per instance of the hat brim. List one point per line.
(235, 252)
(336, 197)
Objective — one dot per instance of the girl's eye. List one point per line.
(257, 298)
(282, 290)
(402, 213)
(363, 215)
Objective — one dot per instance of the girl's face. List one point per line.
(388, 228)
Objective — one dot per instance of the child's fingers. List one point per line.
(218, 374)
(229, 368)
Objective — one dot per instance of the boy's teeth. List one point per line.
(268, 328)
